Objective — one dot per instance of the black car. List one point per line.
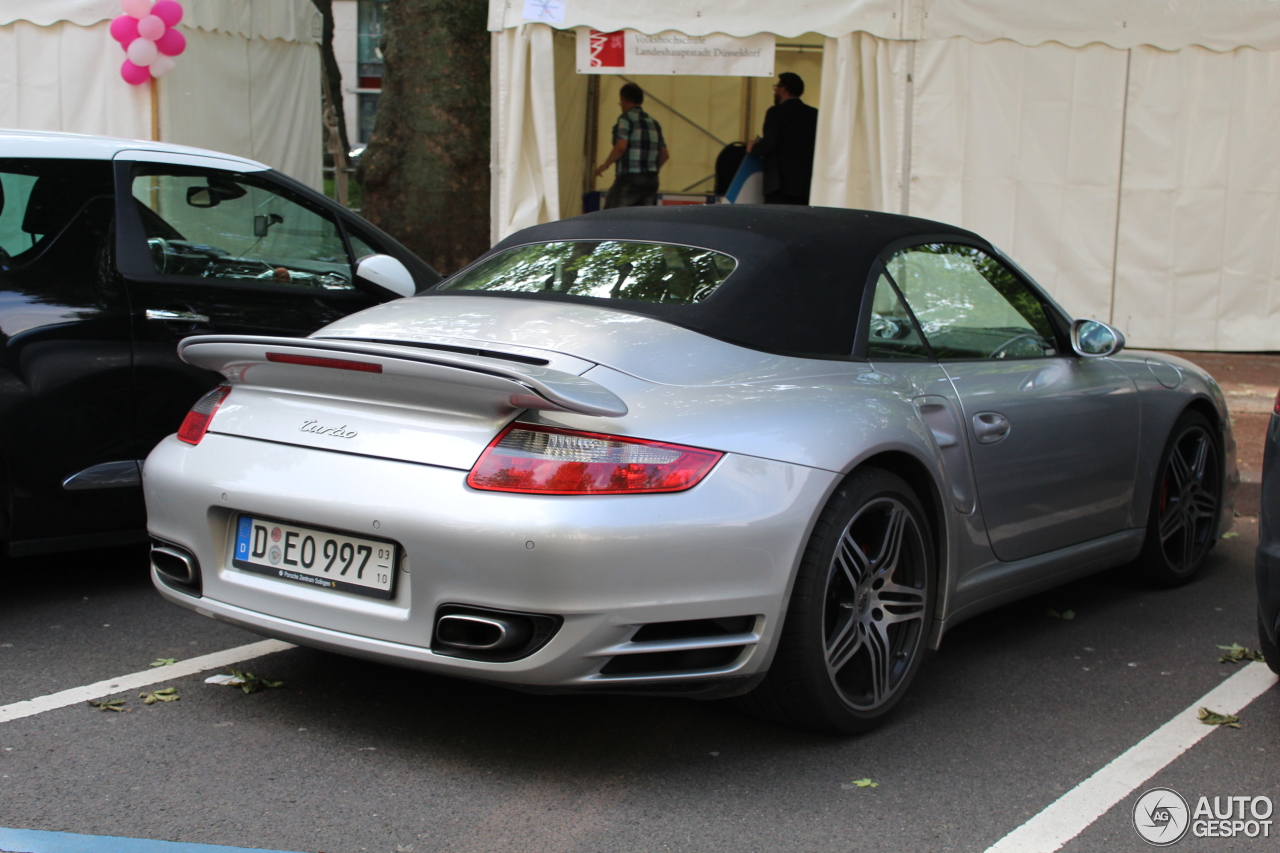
(1267, 561)
(113, 250)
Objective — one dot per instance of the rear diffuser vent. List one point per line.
(681, 661)
(694, 628)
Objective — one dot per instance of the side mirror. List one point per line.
(386, 274)
(202, 197)
(1092, 339)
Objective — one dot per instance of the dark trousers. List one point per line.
(784, 198)
(634, 189)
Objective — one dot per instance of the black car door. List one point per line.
(66, 405)
(208, 246)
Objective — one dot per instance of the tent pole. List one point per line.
(908, 108)
(589, 141)
(155, 109)
(1115, 245)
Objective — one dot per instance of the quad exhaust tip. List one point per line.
(481, 633)
(175, 564)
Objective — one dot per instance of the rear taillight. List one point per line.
(1275, 410)
(549, 461)
(196, 424)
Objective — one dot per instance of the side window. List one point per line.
(970, 306)
(40, 197)
(236, 227)
(362, 246)
(891, 333)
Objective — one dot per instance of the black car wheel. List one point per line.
(1270, 651)
(1182, 524)
(860, 611)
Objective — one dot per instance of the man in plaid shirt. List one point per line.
(638, 149)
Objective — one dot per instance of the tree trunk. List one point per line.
(332, 73)
(425, 172)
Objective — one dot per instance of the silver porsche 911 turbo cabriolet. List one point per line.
(764, 452)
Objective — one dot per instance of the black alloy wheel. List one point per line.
(1183, 521)
(860, 613)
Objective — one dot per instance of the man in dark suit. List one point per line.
(790, 130)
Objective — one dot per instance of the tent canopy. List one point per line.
(1123, 24)
(248, 83)
(290, 21)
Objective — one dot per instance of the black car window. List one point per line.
(891, 332)
(40, 197)
(217, 225)
(602, 269)
(969, 305)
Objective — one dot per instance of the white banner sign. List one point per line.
(630, 52)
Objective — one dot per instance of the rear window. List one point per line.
(602, 269)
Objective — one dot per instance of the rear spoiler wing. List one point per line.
(247, 359)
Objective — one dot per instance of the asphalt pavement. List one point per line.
(1016, 709)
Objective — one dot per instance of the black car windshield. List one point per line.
(602, 269)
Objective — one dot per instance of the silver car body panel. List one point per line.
(791, 429)
(607, 564)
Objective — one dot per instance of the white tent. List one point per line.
(1124, 151)
(248, 83)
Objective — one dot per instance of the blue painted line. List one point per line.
(39, 841)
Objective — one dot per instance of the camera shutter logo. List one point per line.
(1161, 817)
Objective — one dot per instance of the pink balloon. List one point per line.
(141, 51)
(172, 43)
(124, 29)
(169, 11)
(162, 65)
(136, 8)
(134, 75)
(151, 27)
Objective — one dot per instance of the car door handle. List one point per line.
(990, 427)
(179, 316)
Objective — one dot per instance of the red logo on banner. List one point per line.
(607, 50)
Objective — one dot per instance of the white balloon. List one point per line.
(136, 8)
(142, 51)
(162, 65)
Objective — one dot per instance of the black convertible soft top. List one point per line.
(800, 277)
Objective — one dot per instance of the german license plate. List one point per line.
(320, 558)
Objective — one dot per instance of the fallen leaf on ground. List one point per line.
(164, 662)
(1236, 653)
(246, 681)
(109, 705)
(1213, 718)
(1066, 614)
(1231, 535)
(168, 694)
(865, 783)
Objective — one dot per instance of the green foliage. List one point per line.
(1213, 718)
(167, 694)
(1235, 653)
(109, 705)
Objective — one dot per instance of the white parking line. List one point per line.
(134, 680)
(1075, 810)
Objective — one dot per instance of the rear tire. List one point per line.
(1186, 503)
(860, 612)
(1269, 650)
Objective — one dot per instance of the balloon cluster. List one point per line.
(147, 34)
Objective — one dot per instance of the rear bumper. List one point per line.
(606, 565)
